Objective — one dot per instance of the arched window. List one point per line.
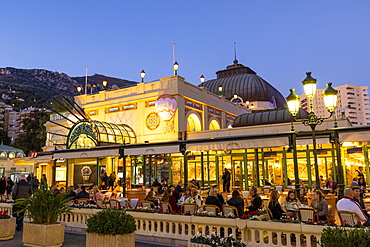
(19, 155)
(194, 123)
(3, 155)
(214, 125)
(11, 155)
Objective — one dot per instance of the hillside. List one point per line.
(23, 88)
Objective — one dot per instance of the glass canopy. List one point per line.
(87, 134)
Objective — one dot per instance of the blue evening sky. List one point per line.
(280, 40)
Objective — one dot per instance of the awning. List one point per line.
(358, 136)
(239, 144)
(309, 141)
(45, 158)
(87, 154)
(163, 149)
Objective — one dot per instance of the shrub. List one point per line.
(44, 207)
(111, 222)
(344, 237)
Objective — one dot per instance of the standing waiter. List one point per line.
(226, 180)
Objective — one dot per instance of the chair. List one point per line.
(147, 204)
(166, 207)
(100, 203)
(266, 191)
(114, 203)
(189, 207)
(259, 190)
(155, 189)
(211, 209)
(350, 217)
(133, 202)
(2, 197)
(107, 196)
(82, 200)
(305, 214)
(230, 210)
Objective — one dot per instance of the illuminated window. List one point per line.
(214, 125)
(194, 123)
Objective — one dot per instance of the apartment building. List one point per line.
(353, 103)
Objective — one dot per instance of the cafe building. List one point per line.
(173, 130)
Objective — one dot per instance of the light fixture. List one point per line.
(330, 97)
(142, 74)
(79, 89)
(175, 67)
(105, 83)
(293, 102)
(201, 78)
(309, 85)
(235, 96)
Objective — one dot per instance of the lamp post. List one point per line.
(142, 74)
(175, 67)
(91, 86)
(330, 100)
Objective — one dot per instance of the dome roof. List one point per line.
(10, 152)
(243, 81)
(267, 117)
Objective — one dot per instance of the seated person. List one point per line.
(347, 204)
(70, 192)
(256, 201)
(236, 201)
(103, 186)
(97, 195)
(219, 194)
(320, 205)
(275, 208)
(357, 198)
(168, 197)
(150, 197)
(196, 197)
(186, 198)
(331, 185)
(291, 201)
(82, 194)
(212, 199)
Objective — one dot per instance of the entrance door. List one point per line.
(237, 174)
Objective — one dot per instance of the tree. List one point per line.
(34, 133)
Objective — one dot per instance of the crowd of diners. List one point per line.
(278, 208)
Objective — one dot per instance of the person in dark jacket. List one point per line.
(70, 192)
(237, 201)
(82, 194)
(212, 199)
(256, 201)
(2, 185)
(21, 190)
(9, 186)
(226, 177)
(275, 208)
(178, 188)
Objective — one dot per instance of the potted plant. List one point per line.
(111, 227)
(44, 208)
(200, 240)
(7, 226)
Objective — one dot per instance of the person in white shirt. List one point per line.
(347, 204)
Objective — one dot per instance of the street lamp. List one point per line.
(201, 78)
(330, 96)
(79, 89)
(175, 67)
(104, 83)
(142, 74)
(91, 86)
(220, 90)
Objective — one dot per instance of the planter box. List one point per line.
(7, 228)
(97, 240)
(40, 235)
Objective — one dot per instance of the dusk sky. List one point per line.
(280, 40)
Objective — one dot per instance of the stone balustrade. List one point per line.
(183, 227)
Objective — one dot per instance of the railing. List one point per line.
(183, 227)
